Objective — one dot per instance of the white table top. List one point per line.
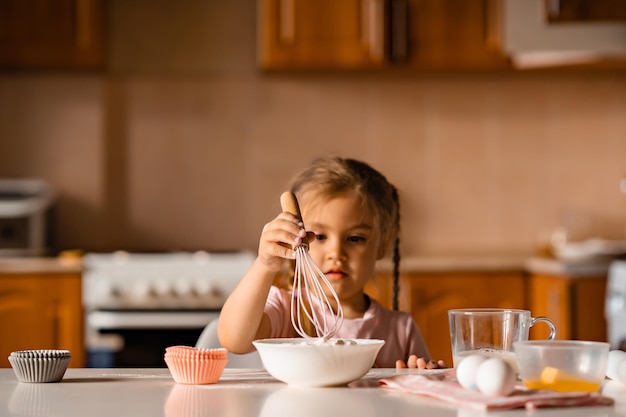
(239, 393)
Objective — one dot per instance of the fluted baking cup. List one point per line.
(195, 370)
(39, 369)
(41, 353)
(196, 353)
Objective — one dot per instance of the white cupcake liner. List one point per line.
(41, 353)
(39, 369)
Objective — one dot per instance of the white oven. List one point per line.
(137, 304)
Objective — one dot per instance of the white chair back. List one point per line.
(208, 340)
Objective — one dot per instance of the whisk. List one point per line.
(310, 302)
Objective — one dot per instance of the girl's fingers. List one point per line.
(279, 238)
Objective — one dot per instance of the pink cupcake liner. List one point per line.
(195, 370)
(189, 352)
(191, 365)
(208, 356)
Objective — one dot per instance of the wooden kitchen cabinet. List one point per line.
(585, 11)
(41, 311)
(429, 295)
(453, 35)
(366, 34)
(574, 304)
(320, 33)
(52, 34)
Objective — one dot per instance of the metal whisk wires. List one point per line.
(310, 302)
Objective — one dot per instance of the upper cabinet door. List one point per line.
(349, 34)
(585, 11)
(452, 34)
(321, 33)
(52, 34)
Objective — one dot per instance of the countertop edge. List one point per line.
(416, 264)
(40, 266)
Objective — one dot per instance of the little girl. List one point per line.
(352, 215)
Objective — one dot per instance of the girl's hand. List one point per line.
(420, 363)
(278, 239)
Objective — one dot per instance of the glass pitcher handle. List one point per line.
(546, 320)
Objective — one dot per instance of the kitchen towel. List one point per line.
(444, 386)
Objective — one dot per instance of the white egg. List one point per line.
(466, 370)
(495, 377)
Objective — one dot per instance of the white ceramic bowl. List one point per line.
(316, 363)
(562, 365)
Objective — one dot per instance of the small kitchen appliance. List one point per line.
(25, 217)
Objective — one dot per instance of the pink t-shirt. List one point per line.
(397, 328)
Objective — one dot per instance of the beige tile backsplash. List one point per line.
(150, 157)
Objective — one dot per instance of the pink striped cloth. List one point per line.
(444, 386)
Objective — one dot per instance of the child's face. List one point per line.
(347, 243)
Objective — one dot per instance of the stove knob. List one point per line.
(140, 290)
(217, 293)
(183, 288)
(106, 290)
(202, 288)
(163, 288)
(115, 292)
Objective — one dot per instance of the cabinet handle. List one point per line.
(287, 10)
(554, 8)
(84, 11)
(399, 31)
(494, 14)
(373, 24)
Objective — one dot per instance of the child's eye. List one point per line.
(320, 237)
(356, 239)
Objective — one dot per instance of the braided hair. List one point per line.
(330, 176)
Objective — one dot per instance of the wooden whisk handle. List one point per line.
(289, 203)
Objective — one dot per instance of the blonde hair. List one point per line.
(330, 176)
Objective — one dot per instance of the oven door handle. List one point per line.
(110, 320)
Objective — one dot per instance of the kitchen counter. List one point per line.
(447, 263)
(498, 263)
(240, 392)
(440, 263)
(40, 265)
(563, 269)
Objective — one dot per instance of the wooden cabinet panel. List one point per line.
(320, 33)
(429, 296)
(448, 34)
(380, 289)
(351, 34)
(585, 11)
(52, 34)
(574, 304)
(41, 312)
